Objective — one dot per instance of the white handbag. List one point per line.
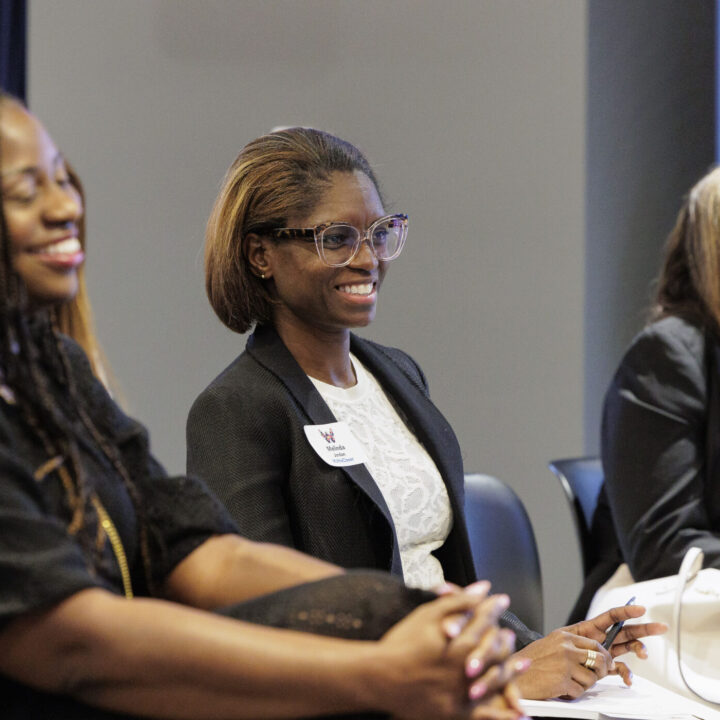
(687, 658)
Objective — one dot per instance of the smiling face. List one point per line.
(311, 294)
(42, 209)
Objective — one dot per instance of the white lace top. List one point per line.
(406, 475)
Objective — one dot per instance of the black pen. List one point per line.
(615, 629)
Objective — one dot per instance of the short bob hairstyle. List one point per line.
(689, 283)
(276, 176)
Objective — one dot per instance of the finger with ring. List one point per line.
(590, 659)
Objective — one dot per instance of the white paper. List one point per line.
(611, 698)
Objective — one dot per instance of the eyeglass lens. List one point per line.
(339, 241)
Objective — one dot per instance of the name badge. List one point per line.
(335, 444)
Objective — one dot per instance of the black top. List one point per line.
(40, 562)
(660, 448)
(661, 453)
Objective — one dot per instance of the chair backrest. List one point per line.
(503, 545)
(581, 480)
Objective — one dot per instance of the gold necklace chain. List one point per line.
(105, 520)
(116, 544)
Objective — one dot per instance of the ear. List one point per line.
(256, 251)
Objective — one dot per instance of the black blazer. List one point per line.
(246, 440)
(661, 452)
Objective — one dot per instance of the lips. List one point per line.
(67, 247)
(65, 253)
(361, 289)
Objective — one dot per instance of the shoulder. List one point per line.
(672, 334)
(242, 371)
(89, 386)
(93, 394)
(376, 353)
(234, 383)
(238, 393)
(665, 363)
(104, 410)
(78, 359)
(667, 346)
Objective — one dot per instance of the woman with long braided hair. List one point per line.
(108, 567)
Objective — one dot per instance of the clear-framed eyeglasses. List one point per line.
(338, 243)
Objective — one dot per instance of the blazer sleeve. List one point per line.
(242, 452)
(653, 450)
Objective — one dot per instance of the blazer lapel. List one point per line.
(437, 437)
(426, 421)
(268, 349)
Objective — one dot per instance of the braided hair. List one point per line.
(29, 362)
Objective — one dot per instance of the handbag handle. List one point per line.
(689, 568)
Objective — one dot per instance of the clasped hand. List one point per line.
(454, 661)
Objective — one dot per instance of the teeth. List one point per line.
(66, 247)
(365, 289)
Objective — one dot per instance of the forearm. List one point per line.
(159, 659)
(229, 569)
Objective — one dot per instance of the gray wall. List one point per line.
(474, 114)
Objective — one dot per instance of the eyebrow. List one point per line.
(58, 160)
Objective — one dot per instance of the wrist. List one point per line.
(377, 679)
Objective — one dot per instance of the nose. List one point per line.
(365, 257)
(63, 204)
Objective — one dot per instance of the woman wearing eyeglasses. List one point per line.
(318, 439)
(299, 243)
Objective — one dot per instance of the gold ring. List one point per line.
(590, 659)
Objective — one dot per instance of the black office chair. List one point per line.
(503, 545)
(581, 480)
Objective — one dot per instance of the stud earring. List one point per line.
(262, 276)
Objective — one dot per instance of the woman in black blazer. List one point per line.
(661, 421)
(246, 438)
(313, 437)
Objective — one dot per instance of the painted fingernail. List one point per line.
(453, 628)
(477, 690)
(503, 602)
(522, 665)
(474, 667)
(482, 587)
